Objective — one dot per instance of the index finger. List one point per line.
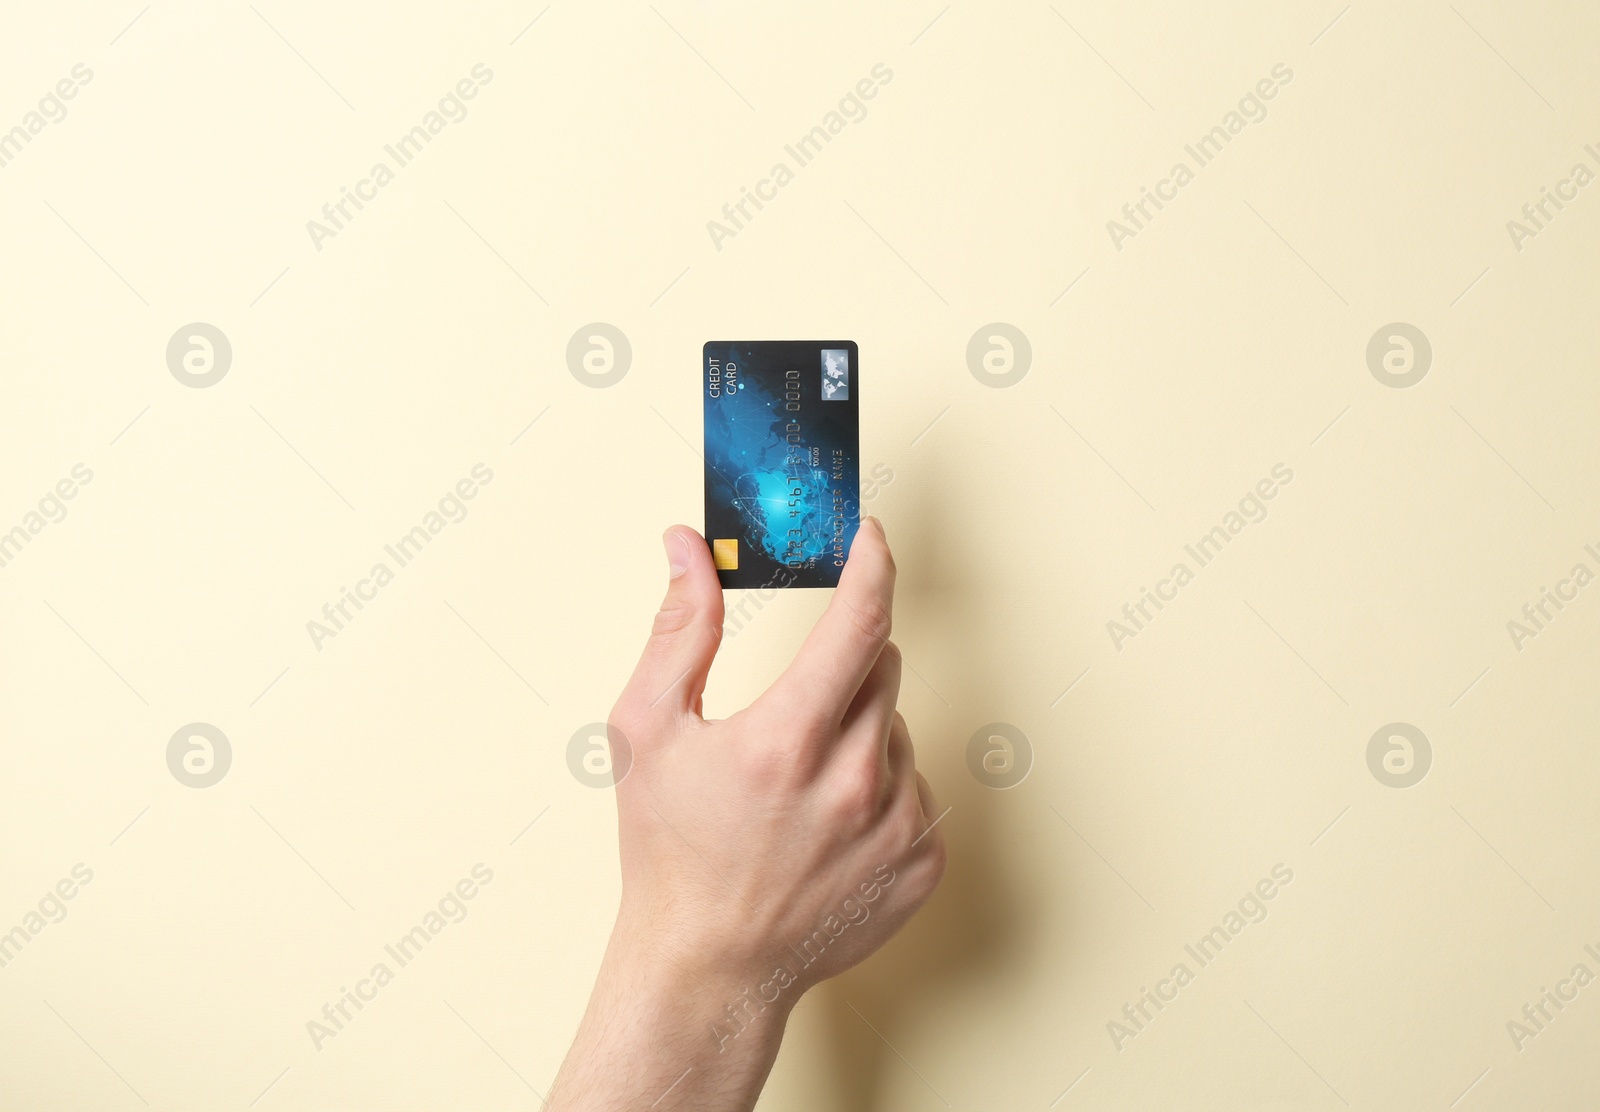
(839, 652)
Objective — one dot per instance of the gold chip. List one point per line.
(725, 554)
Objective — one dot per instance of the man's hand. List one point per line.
(761, 853)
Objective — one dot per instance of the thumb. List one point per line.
(671, 674)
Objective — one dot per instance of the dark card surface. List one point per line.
(783, 460)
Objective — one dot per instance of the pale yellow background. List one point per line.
(368, 377)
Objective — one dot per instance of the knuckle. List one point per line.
(779, 754)
(624, 715)
(628, 721)
(773, 766)
(925, 863)
(804, 726)
(908, 825)
(930, 868)
(873, 618)
(672, 618)
(676, 622)
(855, 793)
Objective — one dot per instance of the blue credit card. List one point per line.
(783, 460)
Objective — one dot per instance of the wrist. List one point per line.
(718, 999)
(668, 1029)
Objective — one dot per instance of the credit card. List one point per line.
(783, 460)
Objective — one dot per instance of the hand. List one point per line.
(761, 853)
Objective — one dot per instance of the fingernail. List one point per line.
(677, 553)
(878, 524)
